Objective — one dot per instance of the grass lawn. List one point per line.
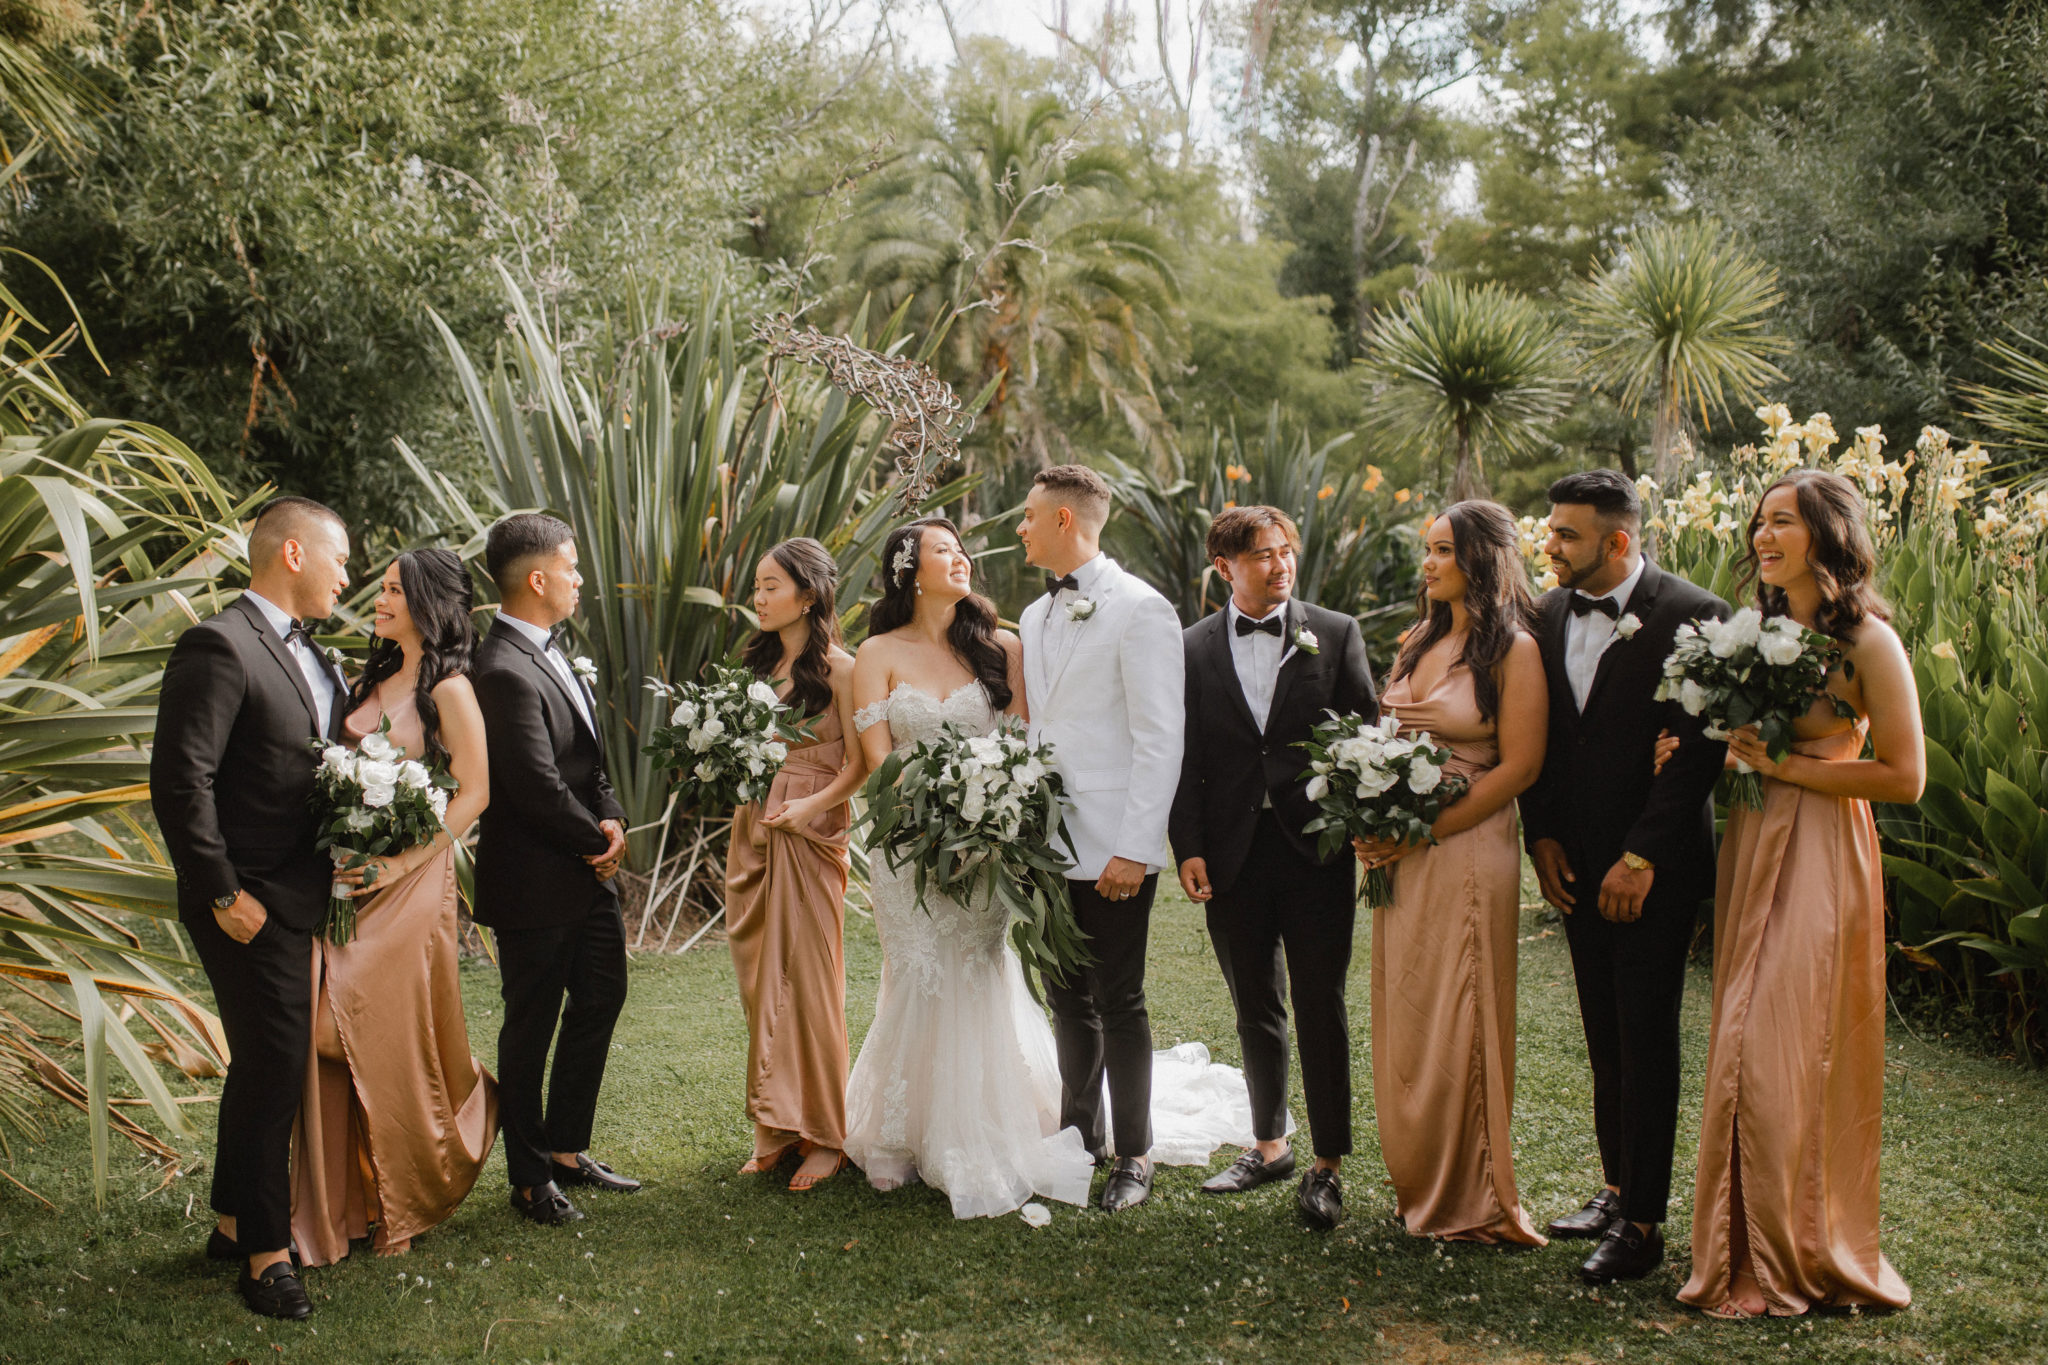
(705, 1265)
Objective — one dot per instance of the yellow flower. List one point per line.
(1402, 495)
(1373, 477)
(1944, 650)
(1326, 491)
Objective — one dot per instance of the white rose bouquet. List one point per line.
(1372, 782)
(727, 735)
(978, 817)
(1748, 670)
(371, 801)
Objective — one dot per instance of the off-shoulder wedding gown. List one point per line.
(958, 1082)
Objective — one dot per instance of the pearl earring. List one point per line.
(920, 590)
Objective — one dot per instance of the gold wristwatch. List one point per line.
(1636, 862)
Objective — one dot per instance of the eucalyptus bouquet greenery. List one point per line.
(1372, 782)
(977, 818)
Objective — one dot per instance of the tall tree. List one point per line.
(1469, 370)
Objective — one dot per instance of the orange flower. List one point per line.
(1402, 495)
(1229, 503)
(1373, 477)
(1326, 491)
(1237, 473)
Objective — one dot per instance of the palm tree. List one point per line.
(1021, 241)
(1680, 315)
(1468, 369)
(38, 86)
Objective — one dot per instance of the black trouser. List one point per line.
(1100, 1023)
(1280, 900)
(263, 990)
(1631, 980)
(585, 961)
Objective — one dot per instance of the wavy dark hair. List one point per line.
(811, 568)
(973, 632)
(1488, 548)
(1839, 553)
(439, 597)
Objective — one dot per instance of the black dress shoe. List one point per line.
(595, 1174)
(276, 1293)
(1249, 1172)
(1593, 1220)
(1321, 1198)
(1130, 1183)
(547, 1206)
(1625, 1253)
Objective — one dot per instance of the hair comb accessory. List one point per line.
(905, 560)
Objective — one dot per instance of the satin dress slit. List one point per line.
(1443, 999)
(398, 1115)
(1787, 1186)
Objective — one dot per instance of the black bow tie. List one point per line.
(300, 630)
(1606, 606)
(1271, 625)
(1053, 585)
(556, 636)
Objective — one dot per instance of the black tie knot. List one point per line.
(300, 630)
(1271, 626)
(1606, 606)
(556, 636)
(1069, 582)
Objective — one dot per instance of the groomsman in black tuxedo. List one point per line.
(1626, 856)
(547, 850)
(1260, 675)
(244, 695)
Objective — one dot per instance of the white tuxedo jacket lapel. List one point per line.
(1070, 632)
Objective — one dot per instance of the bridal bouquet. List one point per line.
(727, 734)
(978, 819)
(1748, 670)
(372, 800)
(1372, 782)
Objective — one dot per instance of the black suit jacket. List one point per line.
(1229, 768)
(1596, 795)
(548, 791)
(231, 769)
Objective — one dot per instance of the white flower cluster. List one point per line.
(1375, 759)
(993, 778)
(1371, 781)
(727, 734)
(1748, 670)
(368, 779)
(372, 801)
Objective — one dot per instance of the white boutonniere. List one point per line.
(1080, 609)
(335, 656)
(1627, 626)
(584, 669)
(1305, 640)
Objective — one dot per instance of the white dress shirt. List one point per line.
(319, 677)
(1587, 637)
(557, 661)
(1258, 657)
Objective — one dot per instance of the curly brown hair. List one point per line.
(1839, 553)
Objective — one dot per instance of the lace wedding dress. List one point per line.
(957, 1084)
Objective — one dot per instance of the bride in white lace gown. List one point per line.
(957, 1083)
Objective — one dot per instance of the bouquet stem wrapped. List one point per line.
(1372, 782)
(1749, 670)
(372, 801)
(977, 817)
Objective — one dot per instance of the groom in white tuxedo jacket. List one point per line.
(1103, 678)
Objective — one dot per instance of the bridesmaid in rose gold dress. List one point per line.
(398, 1116)
(1785, 1201)
(785, 875)
(1443, 954)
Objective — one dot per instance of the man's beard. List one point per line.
(1579, 576)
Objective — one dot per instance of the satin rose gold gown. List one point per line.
(1443, 1000)
(1787, 1181)
(785, 906)
(398, 1116)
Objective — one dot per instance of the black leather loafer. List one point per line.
(1321, 1199)
(1625, 1253)
(594, 1174)
(276, 1293)
(1249, 1172)
(547, 1206)
(1130, 1184)
(1598, 1214)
